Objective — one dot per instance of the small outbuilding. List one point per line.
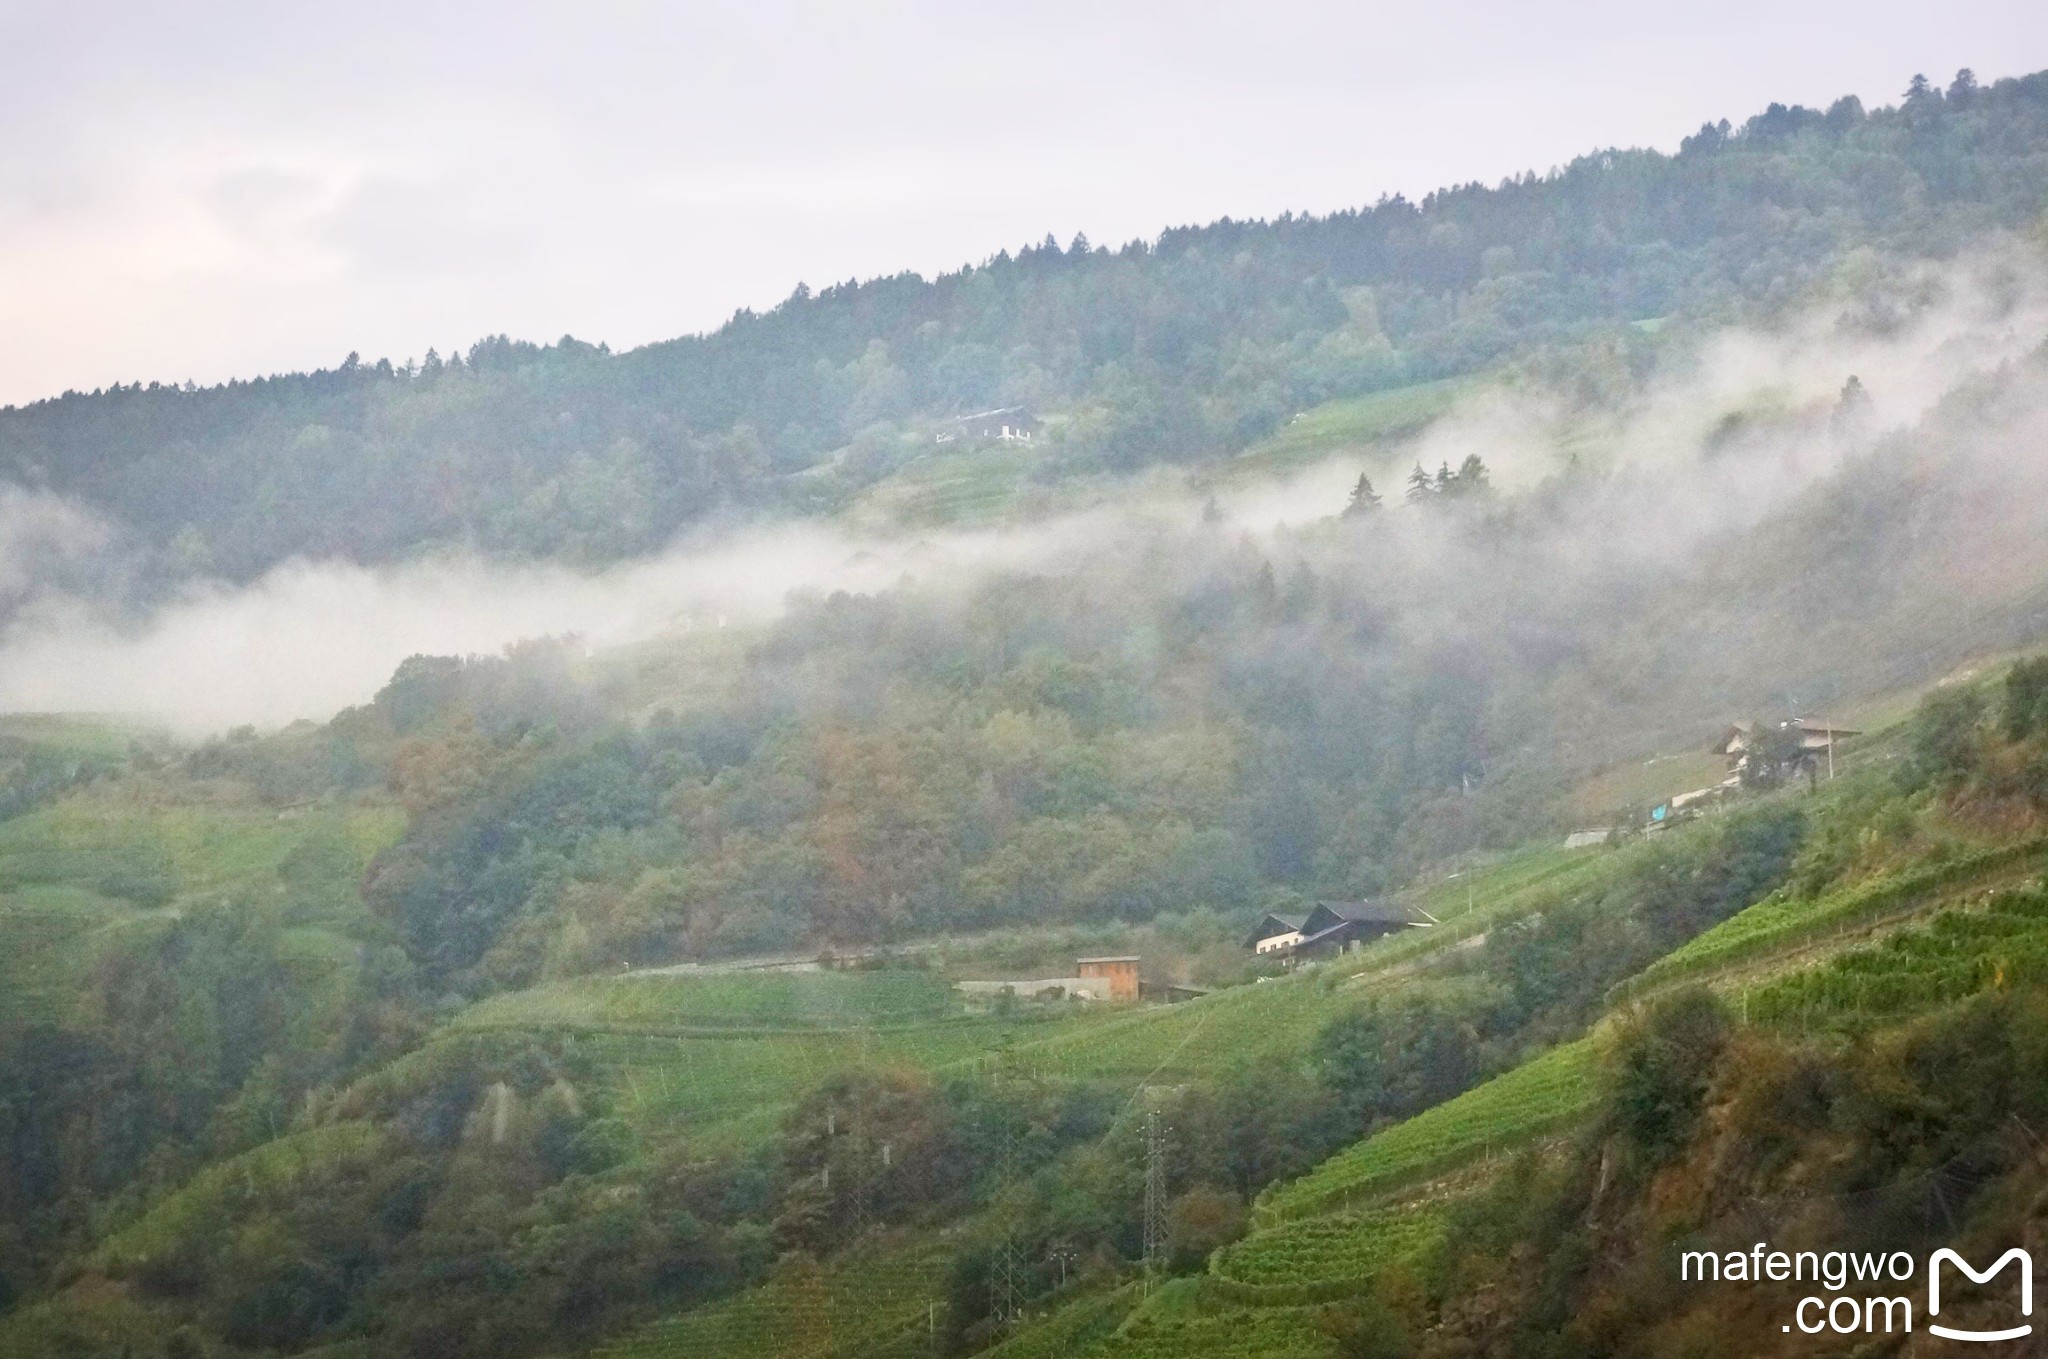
(1121, 973)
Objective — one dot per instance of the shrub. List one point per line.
(1661, 1067)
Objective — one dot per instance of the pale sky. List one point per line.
(211, 190)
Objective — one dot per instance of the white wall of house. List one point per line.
(1084, 988)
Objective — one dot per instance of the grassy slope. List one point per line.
(1972, 922)
(734, 1085)
(995, 482)
(96, 870)
(720, 1058)
(808, 1311)
(1349, 425)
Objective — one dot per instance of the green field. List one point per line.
(136, 849)
(1342, 1248)
(987, 481)
(1639, 785)
(1955, 954)
(1784, 920)
(93, 874)
(270, 1169)
(1540, 1096)
(680, 1002)
(718, 1057)
(44, 931)
(1350, 424)
(849, 1307)
(1254, 1333)
(1072, 1328)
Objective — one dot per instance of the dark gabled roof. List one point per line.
(1735, 739)
(1367, 912)
(1021, 412)
(1287, 923)
(1338, 930)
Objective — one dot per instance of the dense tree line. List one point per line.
(1178, 349)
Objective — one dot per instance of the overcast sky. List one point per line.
(202, 191)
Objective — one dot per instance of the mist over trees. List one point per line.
(361, 1036)
(1175, 350)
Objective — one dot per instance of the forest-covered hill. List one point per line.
(427, 1028)
(241, 1122)
(1176, 350)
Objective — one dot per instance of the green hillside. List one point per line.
(585, 1000)
(1205, 342)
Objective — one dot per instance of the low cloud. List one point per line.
(1740, 422)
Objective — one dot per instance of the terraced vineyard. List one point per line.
(1956, 954)
(1782, 920)
(1239, 1027)
(948, 488)
(717, 1058)
(851, 1307)
(40, 959)
(674, 1086)
(1473, 902)
(1343, 1248)
(1380, 418)
(92, 873)
(1253, 1333)
(678, 1002)
(268, 1169)
(1539, 1096)
(1071, 1329)
(142, 852)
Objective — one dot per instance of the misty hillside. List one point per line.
(447, 911)
(1179, 350)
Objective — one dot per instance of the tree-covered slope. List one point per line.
(1199, 343)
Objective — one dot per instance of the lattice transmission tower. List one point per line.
(1155, 1194)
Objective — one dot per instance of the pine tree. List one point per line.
(1852, 412)
(1363, 498)
(1472, 476)
(1420, 487)
(1446, 480)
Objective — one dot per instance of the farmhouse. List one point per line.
(1332, 927)
(1010, 424)
(1275, 932)
(1801, 744)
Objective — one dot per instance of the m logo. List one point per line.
(2026, 1263)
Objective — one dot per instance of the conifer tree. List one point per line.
(1364, 500)
(1472, 477)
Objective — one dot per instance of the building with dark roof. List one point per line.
(1332, 927)
(1275, 931)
